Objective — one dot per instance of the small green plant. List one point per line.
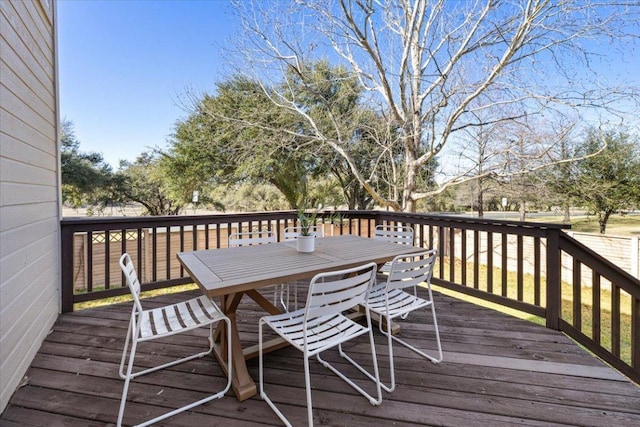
(307, 217)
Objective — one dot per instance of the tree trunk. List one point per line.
(480, 200)
(567, 214)
(408, 204)
(603, 218)
(523, 210)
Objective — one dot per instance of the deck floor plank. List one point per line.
(497, 371)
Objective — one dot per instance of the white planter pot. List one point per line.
(306, 244)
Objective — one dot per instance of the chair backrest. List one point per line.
(249, 238)
(411, 269)
(293, 232)
(334, 292)
(132, 279)
(394, 233)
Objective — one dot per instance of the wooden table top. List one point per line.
(230, 270)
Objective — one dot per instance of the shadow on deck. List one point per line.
(497, 371)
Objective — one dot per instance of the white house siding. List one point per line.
(29, 189)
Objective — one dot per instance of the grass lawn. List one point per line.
(567, 305)
(128, 297)
(618, 225)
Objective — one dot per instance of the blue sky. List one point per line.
(125, 66)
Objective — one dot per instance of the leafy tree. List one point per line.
(144, 182)
(86, 177)
(609, 181)
(215, 144)
(430, 67)
(240, 135)
(248, 197)
(558, 180)
(330, 96)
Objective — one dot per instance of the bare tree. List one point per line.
(434, 68)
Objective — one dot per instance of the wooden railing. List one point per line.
(514, 264)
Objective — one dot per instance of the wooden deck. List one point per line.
(498, 371)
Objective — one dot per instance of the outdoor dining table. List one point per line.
(231, 273)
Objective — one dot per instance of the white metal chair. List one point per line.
(321, 325)
(257, 237)
(291, 233)
(147, 325)
(248, 238)
(400, 234)
(389, 300)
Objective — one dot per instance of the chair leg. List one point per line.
(127, 381)
(392, 386)
(437, 359)
(285, 305)
(130, 375)
(124, 350)
(263, 394)
(307, 384)
(375, 377)
(286, 288)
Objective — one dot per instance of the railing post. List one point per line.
(635, 334)
(554, 277)
(66, 260)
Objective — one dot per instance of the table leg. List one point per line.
(243, 385)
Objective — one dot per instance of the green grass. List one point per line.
(619, 225)
(567, 305)
(126, 298)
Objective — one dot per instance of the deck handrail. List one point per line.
(511, 263)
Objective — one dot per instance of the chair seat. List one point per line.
(176, 318)
(400, 302)
(322, 332)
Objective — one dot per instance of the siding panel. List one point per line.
(18, 151)
(22, 194)
(29, 193)
(30, 137)
(16, 217)
(27, 174)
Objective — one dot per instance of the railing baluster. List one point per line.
(441, 250)
(635, 334)
(140, 254)
(476, 259)
(154, 254)
(577, 294)
(430, 242)
(167, 257)
(505, 264)
(452, 254)
(490, 262)
(181, 250)
(537, 273)
(195, 237)
(596, 330)
(463, 256)
(520, 268)
(89, 261)
(615, 319)
(123, 249)
(107, 258)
